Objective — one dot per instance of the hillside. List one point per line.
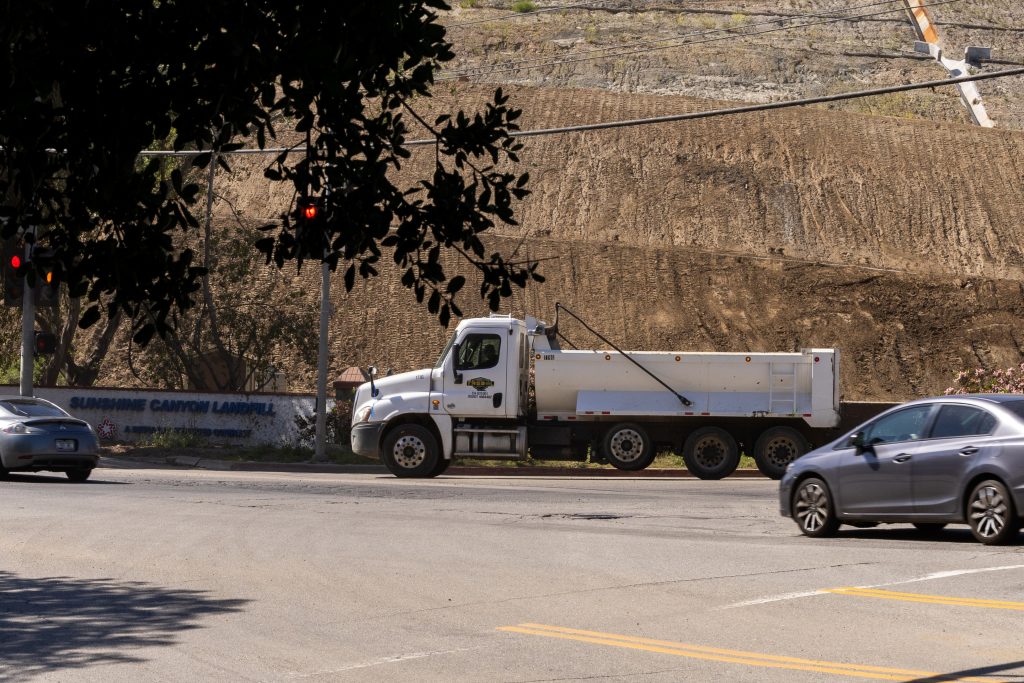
(894, 238)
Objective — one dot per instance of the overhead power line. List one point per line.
(517, 15)
(689, 116)
(685, 40)
(785, 104)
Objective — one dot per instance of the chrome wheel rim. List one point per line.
(409, 452)
(710, 451)
(812, 507)
(988, 512)
(626, 445)
(781, 451)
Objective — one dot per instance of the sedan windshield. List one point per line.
(31, 409)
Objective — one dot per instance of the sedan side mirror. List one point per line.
(857, 441)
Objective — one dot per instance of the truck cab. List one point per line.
(472, 403)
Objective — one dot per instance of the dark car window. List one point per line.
(905, 425)
(478, 352)
(962, 421)
(31, 409)
(1015, 407)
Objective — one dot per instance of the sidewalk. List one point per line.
(136, 461)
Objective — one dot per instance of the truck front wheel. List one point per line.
(711, 453)
(628, 447)
(410, 450)
(776, 448)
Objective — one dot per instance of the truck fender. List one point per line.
(444, 428)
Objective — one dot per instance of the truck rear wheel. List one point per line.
(711, 453)
(410, 450)
(628, 447)
(776, 448)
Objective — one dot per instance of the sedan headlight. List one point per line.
(363, 414)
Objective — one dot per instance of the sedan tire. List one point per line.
(991, 513)
(813, 510)
(79, 475)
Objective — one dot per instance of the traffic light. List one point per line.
(47, 290)
(46, 343)
(14, 276)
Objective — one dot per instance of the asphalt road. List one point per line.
(171, 575)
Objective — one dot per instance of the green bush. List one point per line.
(174, 438)
(524, 6)
(339, 424)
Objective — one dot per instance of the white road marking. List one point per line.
(823, 591)
(377, 662)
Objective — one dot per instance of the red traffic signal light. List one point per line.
(15, 261)
(310, 212)
(46, 343)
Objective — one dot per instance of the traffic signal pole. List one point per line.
(28, 327)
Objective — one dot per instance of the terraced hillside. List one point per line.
(895, 238)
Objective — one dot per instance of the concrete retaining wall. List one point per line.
(134, 414)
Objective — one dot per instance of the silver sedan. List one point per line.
(38, 435)
(932, 462)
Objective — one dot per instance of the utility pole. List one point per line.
(320, 450)
(28, 324)
(929, 43)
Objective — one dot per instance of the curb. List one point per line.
(192, 462)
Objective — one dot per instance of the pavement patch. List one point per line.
(716, 654)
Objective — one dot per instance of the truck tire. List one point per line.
(627, 446)
(776, 448)
(410, 450)
(711, 453)
(442, 465)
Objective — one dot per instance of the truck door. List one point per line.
(476, 385)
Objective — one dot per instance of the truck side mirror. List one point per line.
(455, 363)
(371, 372)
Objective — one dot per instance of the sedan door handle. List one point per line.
(970, 450)
(902, 457)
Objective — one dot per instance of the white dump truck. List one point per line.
(479, 401)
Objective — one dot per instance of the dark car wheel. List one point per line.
(813, 509)
(410, 450)
(79, 475)
(711, 453)
(776, 448)
(991, 514)
(442, 465)
(627, 447)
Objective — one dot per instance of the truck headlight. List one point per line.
(363, 414)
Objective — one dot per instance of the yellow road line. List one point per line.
(730, 656)
(933, 599)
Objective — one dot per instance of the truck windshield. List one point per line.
(447, 348)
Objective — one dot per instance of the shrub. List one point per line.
(339, 424)
(984, 381)
(524, 6)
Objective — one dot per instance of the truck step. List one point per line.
(487, 456)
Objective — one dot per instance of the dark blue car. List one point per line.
(931, 462)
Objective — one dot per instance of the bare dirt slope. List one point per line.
(769, 232)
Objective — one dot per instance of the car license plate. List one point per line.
(65, 444)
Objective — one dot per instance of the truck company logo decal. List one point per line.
(480, 383)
